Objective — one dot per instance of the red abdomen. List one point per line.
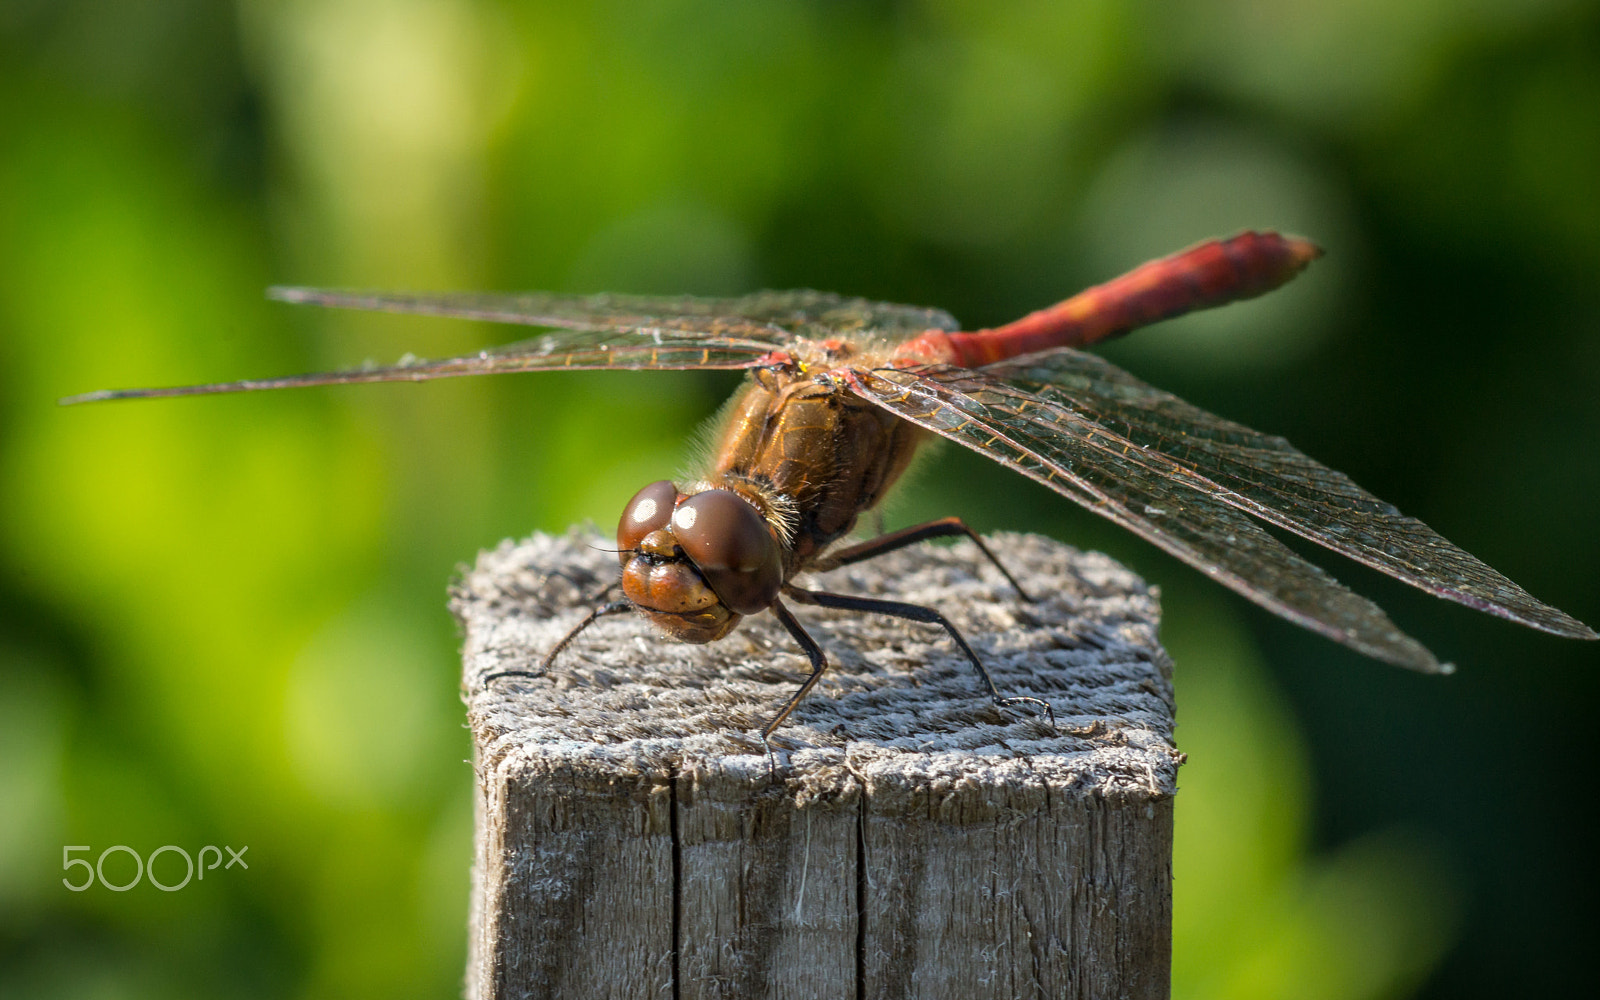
(1212, 273)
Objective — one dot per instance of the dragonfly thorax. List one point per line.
(695, 563)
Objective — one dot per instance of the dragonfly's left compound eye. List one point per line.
(729, 542)
(649, 510)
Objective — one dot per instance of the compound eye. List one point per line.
(729, 542)
(649, 510)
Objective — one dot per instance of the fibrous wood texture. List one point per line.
(906, 839)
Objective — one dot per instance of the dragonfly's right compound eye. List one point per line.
(649, 510)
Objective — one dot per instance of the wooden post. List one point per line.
(908, 839)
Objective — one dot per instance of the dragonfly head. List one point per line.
(694, 564)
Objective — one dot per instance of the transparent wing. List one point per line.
(597, 332)
(1096, 468)
(568, 350)
(1267, 477)
(779, 316)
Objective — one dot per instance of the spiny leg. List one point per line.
(916, 613)
(945, 527)
(819, 663)
(613, 608)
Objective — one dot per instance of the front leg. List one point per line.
(819, 663)
(613, 608)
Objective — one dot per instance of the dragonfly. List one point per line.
(841, 392)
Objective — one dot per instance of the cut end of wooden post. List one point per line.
(634, 831)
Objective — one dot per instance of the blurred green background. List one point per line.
(188, 587)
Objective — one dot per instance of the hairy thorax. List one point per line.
(817, 450)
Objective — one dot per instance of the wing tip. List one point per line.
(1403, 651)
(106, 395)
(1542, 617)
(1581, 631)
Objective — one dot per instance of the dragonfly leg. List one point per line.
(945, 527)
(612, 608)
(819, 663)
(917, 613)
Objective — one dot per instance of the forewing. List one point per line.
(776, 316)
(1267, 477)
(628, 332)
(1096, 468)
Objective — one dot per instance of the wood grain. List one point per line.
(906, 839)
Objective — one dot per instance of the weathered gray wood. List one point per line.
(914, 841)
